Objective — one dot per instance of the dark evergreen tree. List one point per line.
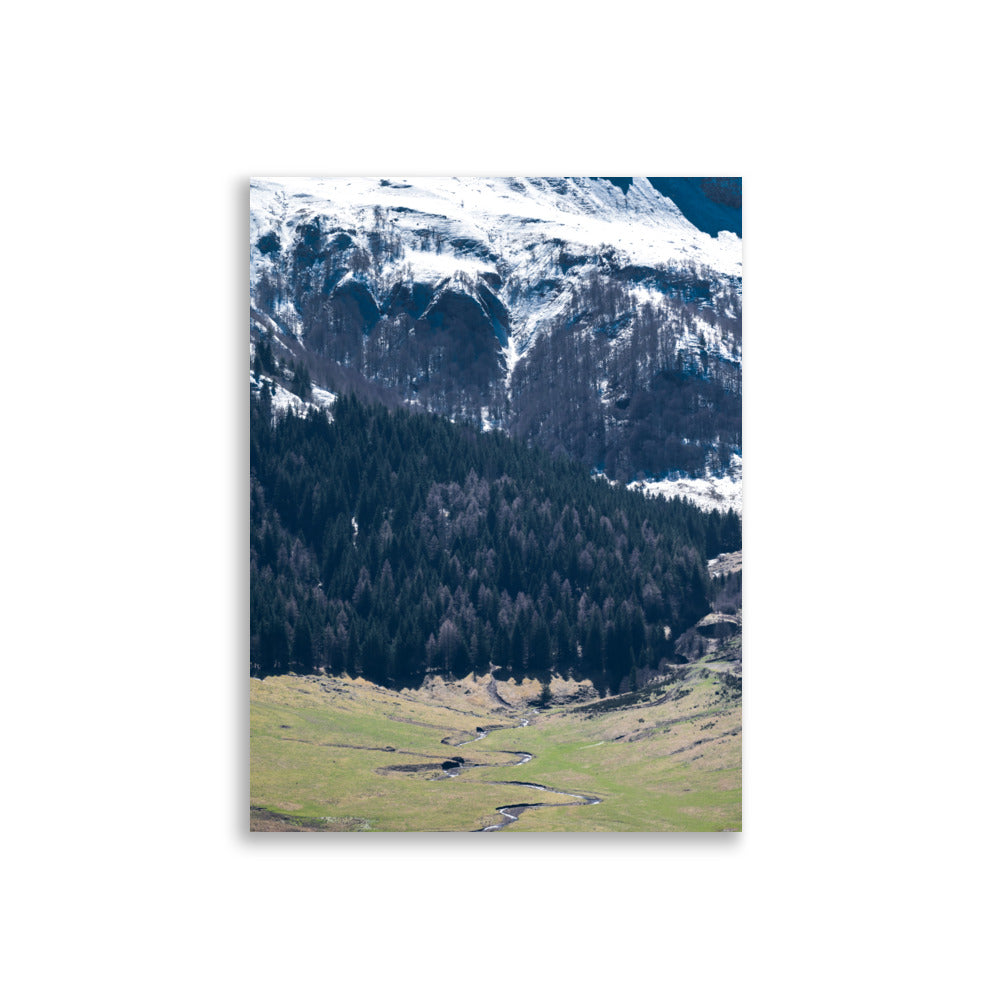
(391, 544)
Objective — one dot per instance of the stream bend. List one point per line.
(511, 812)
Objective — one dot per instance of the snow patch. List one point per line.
(711, 493)
(322, 398)
(429, 266)
(282, 399)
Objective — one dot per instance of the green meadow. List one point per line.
(335, 754)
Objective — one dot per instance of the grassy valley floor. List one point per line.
(334, 754)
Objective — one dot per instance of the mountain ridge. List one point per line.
(593, 321)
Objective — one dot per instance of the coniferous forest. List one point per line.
(393, 544)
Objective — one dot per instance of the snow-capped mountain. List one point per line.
(586, 314)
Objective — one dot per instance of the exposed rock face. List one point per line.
(717, 636)
(718, 626)
(588, 315)
(728, 562)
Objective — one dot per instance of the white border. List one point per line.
(868, 236)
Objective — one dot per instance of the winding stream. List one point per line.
(511, 812)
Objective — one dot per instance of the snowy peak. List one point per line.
(587, 314)
(500, 217)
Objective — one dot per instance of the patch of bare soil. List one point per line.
(489, 695)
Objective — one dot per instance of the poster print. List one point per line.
(495, 504)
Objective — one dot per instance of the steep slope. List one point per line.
(588, 315)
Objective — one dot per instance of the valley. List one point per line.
(335, 754)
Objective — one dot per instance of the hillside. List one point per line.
(587, 315)
(392, 545)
